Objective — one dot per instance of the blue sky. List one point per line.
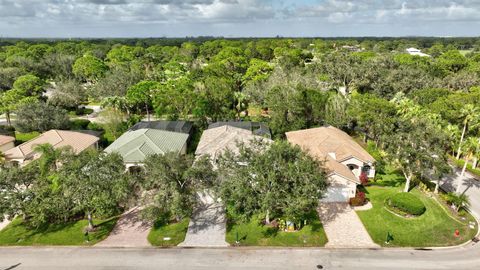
(238, 18)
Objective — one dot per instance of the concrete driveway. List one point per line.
(343, 227)
(130, 231)
(207, 226)
(470, 185)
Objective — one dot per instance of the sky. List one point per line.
(238, 18)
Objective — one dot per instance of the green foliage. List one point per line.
(407, 203)
(460, 201)
(276, 180)
(41, 117)
(21, 137)
(89, 68)
(452, 61)
(68, 94)
(29, 85)
(254, 233)
(79, 124)
(171, 182)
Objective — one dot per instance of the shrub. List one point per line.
(359, 199)
(364, 178)
(94, 126)
(407, 203)
(78, 124)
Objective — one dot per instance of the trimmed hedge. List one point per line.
(407, 203)
(79, 124)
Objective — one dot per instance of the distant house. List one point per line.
(174, 126)
(135, 145)
(414, 51)
(257, 128)
(57, 138)
(6, 143)
(218, 138)
(344, 159)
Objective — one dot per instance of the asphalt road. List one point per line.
(237, 258)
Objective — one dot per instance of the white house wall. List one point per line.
(360, 164)
(337, 181)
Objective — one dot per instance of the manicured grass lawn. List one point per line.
(176, 232)
(434, 228)
(254, 234)
(23, 137)
(69, 234)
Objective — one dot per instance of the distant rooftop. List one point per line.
(174, 126)
(258, 128)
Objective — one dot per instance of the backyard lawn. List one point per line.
(434, 228)
(23, 137)
(175, 231)
(70, 234)
(254, 234)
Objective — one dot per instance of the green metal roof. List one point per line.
(135, 146)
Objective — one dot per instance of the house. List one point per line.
(135, 145)
(414, 51)
(218, 138)
(77, 141)
(344, 159)
(257, 128)
(174, 126)
(6, 143)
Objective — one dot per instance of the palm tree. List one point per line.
(49, 157)
(476, 154)
(469, 113)
(468, 148)
(457, 200)
(453, 133)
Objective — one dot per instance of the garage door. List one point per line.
(336, 194)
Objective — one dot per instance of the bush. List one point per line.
(78, 124)
(407, 203)
(359, 199)
(94, 126)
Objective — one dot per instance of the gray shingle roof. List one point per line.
(257, 128)
(134, 146)
(175, 126)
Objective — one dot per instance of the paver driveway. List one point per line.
(207, 227)
(343, 227)
(130, 231)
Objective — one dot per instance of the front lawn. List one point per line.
(175, 231)
(69, 234)
(253, 233)
(433, 228)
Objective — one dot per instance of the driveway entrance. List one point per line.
(207, 226)
(343, 227)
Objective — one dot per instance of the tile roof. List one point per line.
(174, 126)
(319, 142)
(258, 128)
(136, 145)
(6, 139)
(215, 141)
(57, 138)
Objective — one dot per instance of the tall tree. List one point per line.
(172, 182)
(277, 180)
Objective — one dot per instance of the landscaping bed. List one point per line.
(17, 233)
(433, 228)
(174, 231)
(254, 233)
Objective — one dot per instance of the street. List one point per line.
(237, 258)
